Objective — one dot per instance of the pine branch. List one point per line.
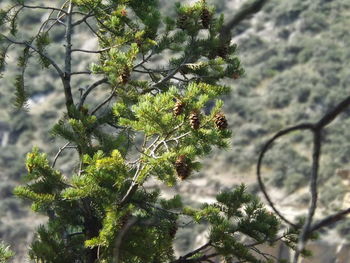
(52, 62)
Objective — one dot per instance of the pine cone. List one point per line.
(173, 230)
(123, 12)
(222, 51)
(182, 167)
(205, 17)
(124, 219)
(182, 21)
(84, 110)
(236, 76)
(125, 76)
(195, 120)
(220, 121)
(179, 107)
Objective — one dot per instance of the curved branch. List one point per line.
(304, 126)
(105, 101)
(89, 89)
(246, 11)
(52, 62)
(61, 149)
(120, 236)
(316, 129)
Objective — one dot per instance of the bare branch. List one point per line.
(144, 60)
(105, 101)
(246, 11)
(52, 62)
(91, 51)
(194, 252)
(59, 153)
(45, 8)
(90, 14)
(170, 74)
(94, 31)
(330, 220)
(57, 20)
(331, 115)
(305, 126)
(81, 73)
(313, 188)
(316, 129)
(132, 189)
(89, 89)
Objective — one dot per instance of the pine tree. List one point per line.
(100, 212)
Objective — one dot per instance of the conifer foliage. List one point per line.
(163, 127)
(5, 253)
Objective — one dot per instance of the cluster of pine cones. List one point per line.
(205, 16)
(194, 118)
(182, 163)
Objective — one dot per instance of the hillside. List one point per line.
(296, 56)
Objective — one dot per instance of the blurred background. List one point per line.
(296, 54)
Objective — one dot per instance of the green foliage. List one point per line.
(236, 214)
(5, 253)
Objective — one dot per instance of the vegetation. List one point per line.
(294, 73)
(5, 253)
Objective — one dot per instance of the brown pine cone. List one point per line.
(84, 110)
(222, 51)
(236, 76)
(125, 76)
(195, 120)
(173, 230)
(179, 107)
(220, 121)
(205, 17)
(182, 21)
(182, 167)
(124, 219)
